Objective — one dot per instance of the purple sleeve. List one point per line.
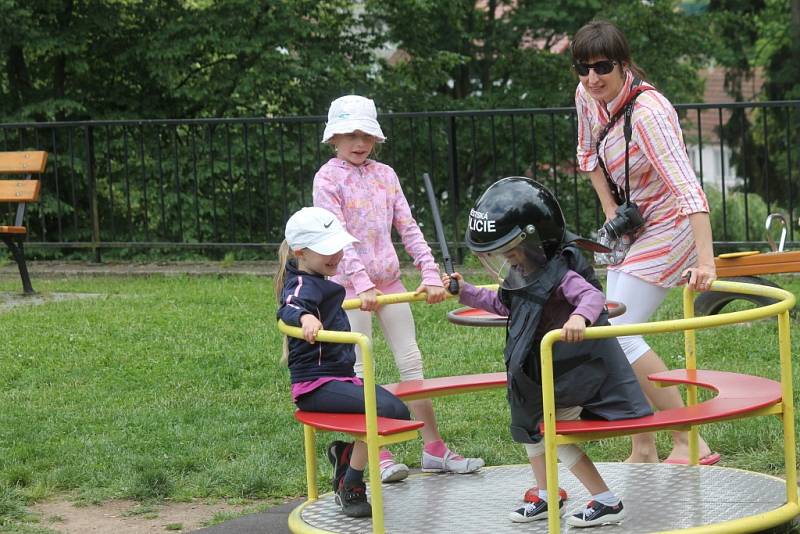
(587, 299)
(482, 298)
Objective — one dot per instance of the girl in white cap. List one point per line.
(367, 198)
(322, 374)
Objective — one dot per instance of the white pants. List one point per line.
(641, 300)
(397, 324)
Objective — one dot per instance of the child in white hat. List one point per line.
(322, 374)
(366, 197)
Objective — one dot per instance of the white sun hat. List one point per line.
(350, 113)
(317, 229)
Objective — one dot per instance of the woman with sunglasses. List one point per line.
(674, 241)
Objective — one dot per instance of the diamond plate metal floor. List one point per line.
(657, 497)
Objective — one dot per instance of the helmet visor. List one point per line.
(516, 264)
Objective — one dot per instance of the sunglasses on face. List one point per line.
(600, 68)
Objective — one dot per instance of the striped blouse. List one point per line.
(662, 180)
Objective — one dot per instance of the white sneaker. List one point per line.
(451, 463)
(534, 510)
(597, 513)
(392, 471)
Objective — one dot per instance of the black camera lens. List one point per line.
(628, 220)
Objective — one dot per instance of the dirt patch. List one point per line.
(128, 517)
(9, 300)
(54, 269)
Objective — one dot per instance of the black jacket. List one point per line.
(593, 374)
(311, 293)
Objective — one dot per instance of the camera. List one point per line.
(616, 234)
(627, 221)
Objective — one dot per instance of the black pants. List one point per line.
(346, 397)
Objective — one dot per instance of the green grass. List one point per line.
(169, 388)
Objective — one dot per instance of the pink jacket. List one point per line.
(369, 201)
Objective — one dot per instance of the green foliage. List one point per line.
(731, 215)
(112, 59)
(762, 35)
(468, 55)
(175, 59)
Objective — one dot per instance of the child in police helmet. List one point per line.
(517, 231)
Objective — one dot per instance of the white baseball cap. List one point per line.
(350, 113)
(317, 229)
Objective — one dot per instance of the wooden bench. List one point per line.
(755, 264)
(19, 192)
(746, 267)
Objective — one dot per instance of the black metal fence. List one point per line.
(231, 183)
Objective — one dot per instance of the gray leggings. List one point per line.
(346, 397)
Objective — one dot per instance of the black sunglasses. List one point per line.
(601, 67)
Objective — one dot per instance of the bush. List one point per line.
(728, 219)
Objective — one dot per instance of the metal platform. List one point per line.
(657, 497)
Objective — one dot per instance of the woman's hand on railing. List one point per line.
(701, 277)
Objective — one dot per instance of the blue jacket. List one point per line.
(311, 293)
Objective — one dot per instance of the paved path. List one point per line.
(272, 521)
(43, 269)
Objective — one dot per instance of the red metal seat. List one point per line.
(737, 394)
(447, 385)
(354, 423)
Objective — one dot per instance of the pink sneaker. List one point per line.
(451, 463)
(392, 471)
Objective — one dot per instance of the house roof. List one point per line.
(715, 93)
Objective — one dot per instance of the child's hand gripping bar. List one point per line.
(437, 223)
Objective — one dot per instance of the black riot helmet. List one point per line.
(515, 227)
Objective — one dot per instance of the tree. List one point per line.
(762, 35)
(68, 60)
(497, 53)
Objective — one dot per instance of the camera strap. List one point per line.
(621, 197)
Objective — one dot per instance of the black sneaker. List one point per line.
(353, 500)
(596, 514)
(534, 510)
(339, 456)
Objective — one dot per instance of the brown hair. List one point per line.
(277, 282)
(601, 38)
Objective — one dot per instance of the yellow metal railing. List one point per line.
(688, 325)
(373, 440)
(371, 437)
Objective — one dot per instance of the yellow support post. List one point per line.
(310, 445)
(785, 347)
(373, 448)
(550, 445)
(690, 348)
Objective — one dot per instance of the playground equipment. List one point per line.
(748, 267)
(702, 499)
